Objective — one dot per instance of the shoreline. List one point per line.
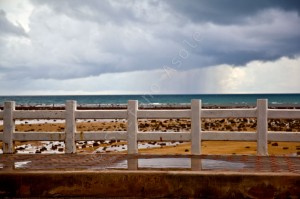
(163, 125)
(152, 125)
(155, 106)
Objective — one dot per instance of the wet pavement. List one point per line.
(73, 162)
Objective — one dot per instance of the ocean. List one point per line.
(207, 99)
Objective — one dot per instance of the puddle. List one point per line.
(181, 163)
(178, 163)
(221, 164)
(23, 164)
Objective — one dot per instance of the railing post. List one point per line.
(262, 127)
(132, 164)
(196, 164)
(9, 127)
(132, 128)
(196, 127)
(70, 126)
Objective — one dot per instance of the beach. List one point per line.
(154, 125)
(155, 102)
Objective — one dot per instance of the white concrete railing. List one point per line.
(132, 135)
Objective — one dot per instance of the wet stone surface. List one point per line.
(236, 163)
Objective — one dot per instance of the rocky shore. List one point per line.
(164, 125)
(142, 106)
(167, 125)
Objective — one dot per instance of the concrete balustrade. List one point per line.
(132, 135)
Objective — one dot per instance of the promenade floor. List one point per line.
(164, 176)
(237, 163)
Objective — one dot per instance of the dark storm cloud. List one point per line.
(228, 11)
(6, 27)
(232, 12)
(224, 53)
(72, 38)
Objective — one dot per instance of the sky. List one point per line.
(74, 47)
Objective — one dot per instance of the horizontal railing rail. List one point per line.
(133, 135)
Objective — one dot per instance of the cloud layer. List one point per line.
(73, 47)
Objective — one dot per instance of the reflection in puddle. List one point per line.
(177, 163)
(21, 164)
(165, 163)
(221, 164)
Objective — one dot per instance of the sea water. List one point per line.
(207, 99)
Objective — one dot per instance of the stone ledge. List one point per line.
(163, 184)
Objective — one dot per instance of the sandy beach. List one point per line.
(168, 125)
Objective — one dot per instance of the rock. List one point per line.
(112, 141)
(43, 149)
(275, 144)
(183, 125)
(60, 149)
(96, 144)
(254, 125)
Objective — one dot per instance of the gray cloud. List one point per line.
(228, 11)
(255, 77)
(76, 39)
(104, 11)
(7, 28)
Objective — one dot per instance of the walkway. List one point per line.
(116, 175)
(242, 163)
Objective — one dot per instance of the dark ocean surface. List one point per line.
(207, 99)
